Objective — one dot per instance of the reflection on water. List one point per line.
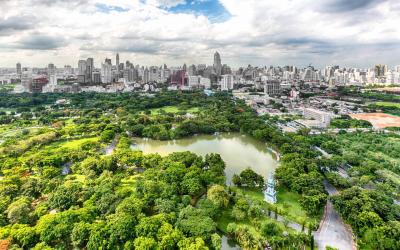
(238, 151)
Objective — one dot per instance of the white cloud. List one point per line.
(259, 32)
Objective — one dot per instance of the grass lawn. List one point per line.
(7, 110)
(172, 109)
(288, 203)
(388, 104)
(72, 144)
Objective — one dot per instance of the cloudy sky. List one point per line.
(356, 33)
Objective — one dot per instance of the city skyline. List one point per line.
(154, 32)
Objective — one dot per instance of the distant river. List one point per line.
(237, 150)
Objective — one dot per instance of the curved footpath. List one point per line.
(333, 231)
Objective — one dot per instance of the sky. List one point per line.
(352, 33)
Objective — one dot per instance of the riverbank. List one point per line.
(276, 153)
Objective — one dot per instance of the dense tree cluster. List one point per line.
(59, 187)
(367, 199)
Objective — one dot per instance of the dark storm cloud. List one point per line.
(16, 23)
(41, 42)
(348, 5)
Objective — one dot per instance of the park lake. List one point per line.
(237, 150)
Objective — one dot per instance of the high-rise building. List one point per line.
(165, 74)
(67, 70)
(108, 61)
(19, 71)
(217, 64)
(96, 77)
(310, 75)
(51, 69)
(272, 87)
(89, 70)
(154, 75)
(227, 82)
(380, 70)
(81, 67)
(26, 79)
(192, 70)
(106, 75)
(146, 75)
(82, 71)
(226, 70)
(53, 79)
(117, 60)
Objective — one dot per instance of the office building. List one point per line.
(82, 71)
(106, 75)
(217, 64)
(321, 116)
(19, 71)
(272, 87)
(96, 77)
(26, 79)
(89, 70)
(51, 69)
(380, 70)
(117, 60)
(227, 82)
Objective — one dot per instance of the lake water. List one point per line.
(237, 150)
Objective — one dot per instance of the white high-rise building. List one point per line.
(194, 81)
(26, 80)
(53, 79)
(309, 75)
(67, 70)
(106, 75)
(227, 82)
(393, 77)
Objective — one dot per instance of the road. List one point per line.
(332, 231)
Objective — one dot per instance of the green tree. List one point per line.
(251, 179)
(216, 241)
(19, 211)
(218, 195)
(145, 243)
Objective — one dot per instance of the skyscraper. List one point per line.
(51, 69)
(217, 64)
(117, 61)
(89, 70)
(82, 71)
(146, 75)
(106, 75)
(19, 71)
(81, 67)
